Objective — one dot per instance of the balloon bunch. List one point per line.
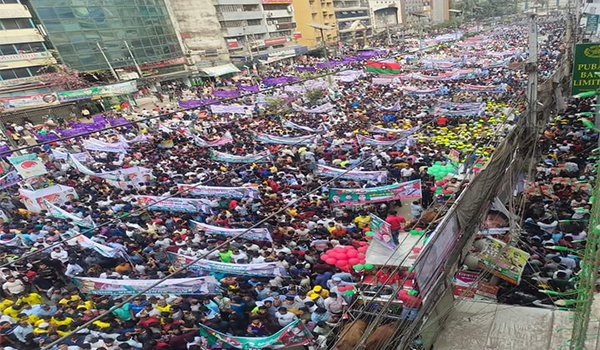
(440, 171)
(345, 257)
(439, 190)
(417, 231)
(347, 290)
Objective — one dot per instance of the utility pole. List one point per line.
(586, 284)
(532, 73)
(324, 44)
(137, 67)
(112, 70)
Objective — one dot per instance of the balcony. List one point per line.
(278, 13)
(239, 16)
(19, 36)
(241, 31)
(14, 11)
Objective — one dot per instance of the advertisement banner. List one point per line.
(10, 179)
(363, 140)
(376, 176)
(220, 192)
(185, 205)
(226, 93)
(28, 165)
(101, 146)
(177, 286)
(81, 157)
(483, 88)
(271, 269)
(232, 158)
(223, 109)
(585, 66)
(468, 285)
(255, 234)
(57, 212)
(454, 156)
(34, 100)
(98, 92)
(291, 336)
(104, 250)
(402, 132)
(278, 140)
(443, 90)
(502, 260)
(292, 125)
(200, 142)
(354, 196)
(591, 25)
(326, 108)
(383, 231)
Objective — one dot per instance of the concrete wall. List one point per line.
(199, 30)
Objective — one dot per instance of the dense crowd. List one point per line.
(41, 303)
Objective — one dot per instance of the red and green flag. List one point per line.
(383, 67)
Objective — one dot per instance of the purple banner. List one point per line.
(5, 151)
(226, 93)
(280, 80)
(250, 88)
(305, 69)
(119, 122)
(196, 103)
(45, 137)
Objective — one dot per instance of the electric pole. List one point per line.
(532, 73)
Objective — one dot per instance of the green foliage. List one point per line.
(481, 9)
(314, 96)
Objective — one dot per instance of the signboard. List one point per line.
(275, 41)
(276, 1)
(355, 196)
(585, 65)
(592, 24)
(383, 231)
(502, 260)
(29, 100)
(25, 56)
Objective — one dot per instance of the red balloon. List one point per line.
(361, 256)
(324, 257)
(363, 261)
(352, 253)
(341, 263)
(353, 261)
(331, 261)
(338, 249)
(363, 243)
(362, 250)
(369, 237)
(340, 256)
(343, 288)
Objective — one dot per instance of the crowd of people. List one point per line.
(45, 258)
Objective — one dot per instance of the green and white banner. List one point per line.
(354, 196)
(256, 234)
(198, 285)
(278, 140)
(271, 269)
(376, 176)
(294, 334)
(220, 192)
(233, 158)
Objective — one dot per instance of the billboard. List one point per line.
(585, 65)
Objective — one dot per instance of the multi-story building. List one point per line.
(199, 32)
(354, 21)
(437, 11)
(258, 29)
(385, 13)
(97, 35)
(22, 49)
(315, 19)
(413, 14)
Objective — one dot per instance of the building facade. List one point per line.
(413, 15)
(258, 30)
(199, 32)
(385, 13)
(354, 21)
(437, 11)
(23, 52)
(319, 12)
(90, 35)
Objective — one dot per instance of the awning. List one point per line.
(220, 70)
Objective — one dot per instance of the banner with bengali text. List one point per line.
(355, 196)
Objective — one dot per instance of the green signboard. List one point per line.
(585, 66)
(592, 24)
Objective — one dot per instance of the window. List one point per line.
(7, 74)
(21, 72)
(9, 1)
(254, 22)
(7, 50)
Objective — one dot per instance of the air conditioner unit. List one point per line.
(270, 14)
(269, 22)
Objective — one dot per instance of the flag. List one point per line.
(386, 67)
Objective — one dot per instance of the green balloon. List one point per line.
(370, 233)
(358, 267)
(348, 292)
(368, 266)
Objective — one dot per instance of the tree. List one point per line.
(59, 75)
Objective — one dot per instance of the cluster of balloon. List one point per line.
(439, 190)
(347, 290)
(440, 171)
(417, 231)
(345, 257)
(369, 235)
